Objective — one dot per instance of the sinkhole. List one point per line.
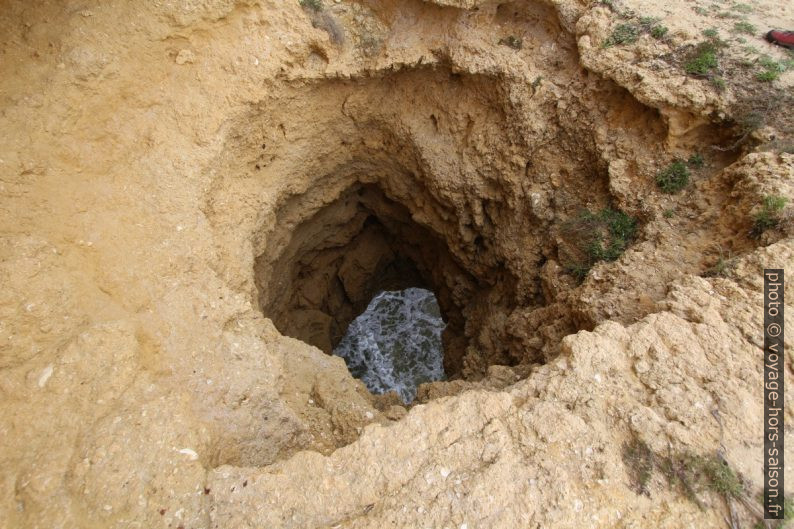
(354, 274)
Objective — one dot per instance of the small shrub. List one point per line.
(579, 270)
(648, 23)
(619, 229)
(772, 69)
(668, 213)
(720, 477)
(767, 77)
(678, 470)
(696, 161)
(511, 41)
(703, 59)
(751, 121)
(673, 178)
(638, 458)
(623, 34)
(719, 269)
(768, 216)
(691, 473)
(659, 32)
(745, 27)
(710, 33)
(771, 64)
(600, 236)
(694, 473)
(314, 5)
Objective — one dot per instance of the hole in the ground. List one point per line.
(395, 344)
(439, 195)
(359, 255)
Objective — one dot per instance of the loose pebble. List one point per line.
(191, 454)
(45, 375)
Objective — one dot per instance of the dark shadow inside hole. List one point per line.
(340, 257)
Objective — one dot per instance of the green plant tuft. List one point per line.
(710, 33)
(600, 236)
(745, 27)
(696, 161)
(639, 461)
(613, 231)
(673, 178)
(623, 34)
(659, 32)
(314, 5)
(693, 473)
(771, 69)
(703, 59)
(767, 77)
(719, 269)
(769, 215)
(720, 477)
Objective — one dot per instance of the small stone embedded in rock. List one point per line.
(191, 454)
(185, 57)
(45, 375)
(641, 367)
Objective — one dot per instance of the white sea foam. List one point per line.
(396, 343)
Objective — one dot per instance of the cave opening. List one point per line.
(359, 277)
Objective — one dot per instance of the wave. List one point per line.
(395, 344)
